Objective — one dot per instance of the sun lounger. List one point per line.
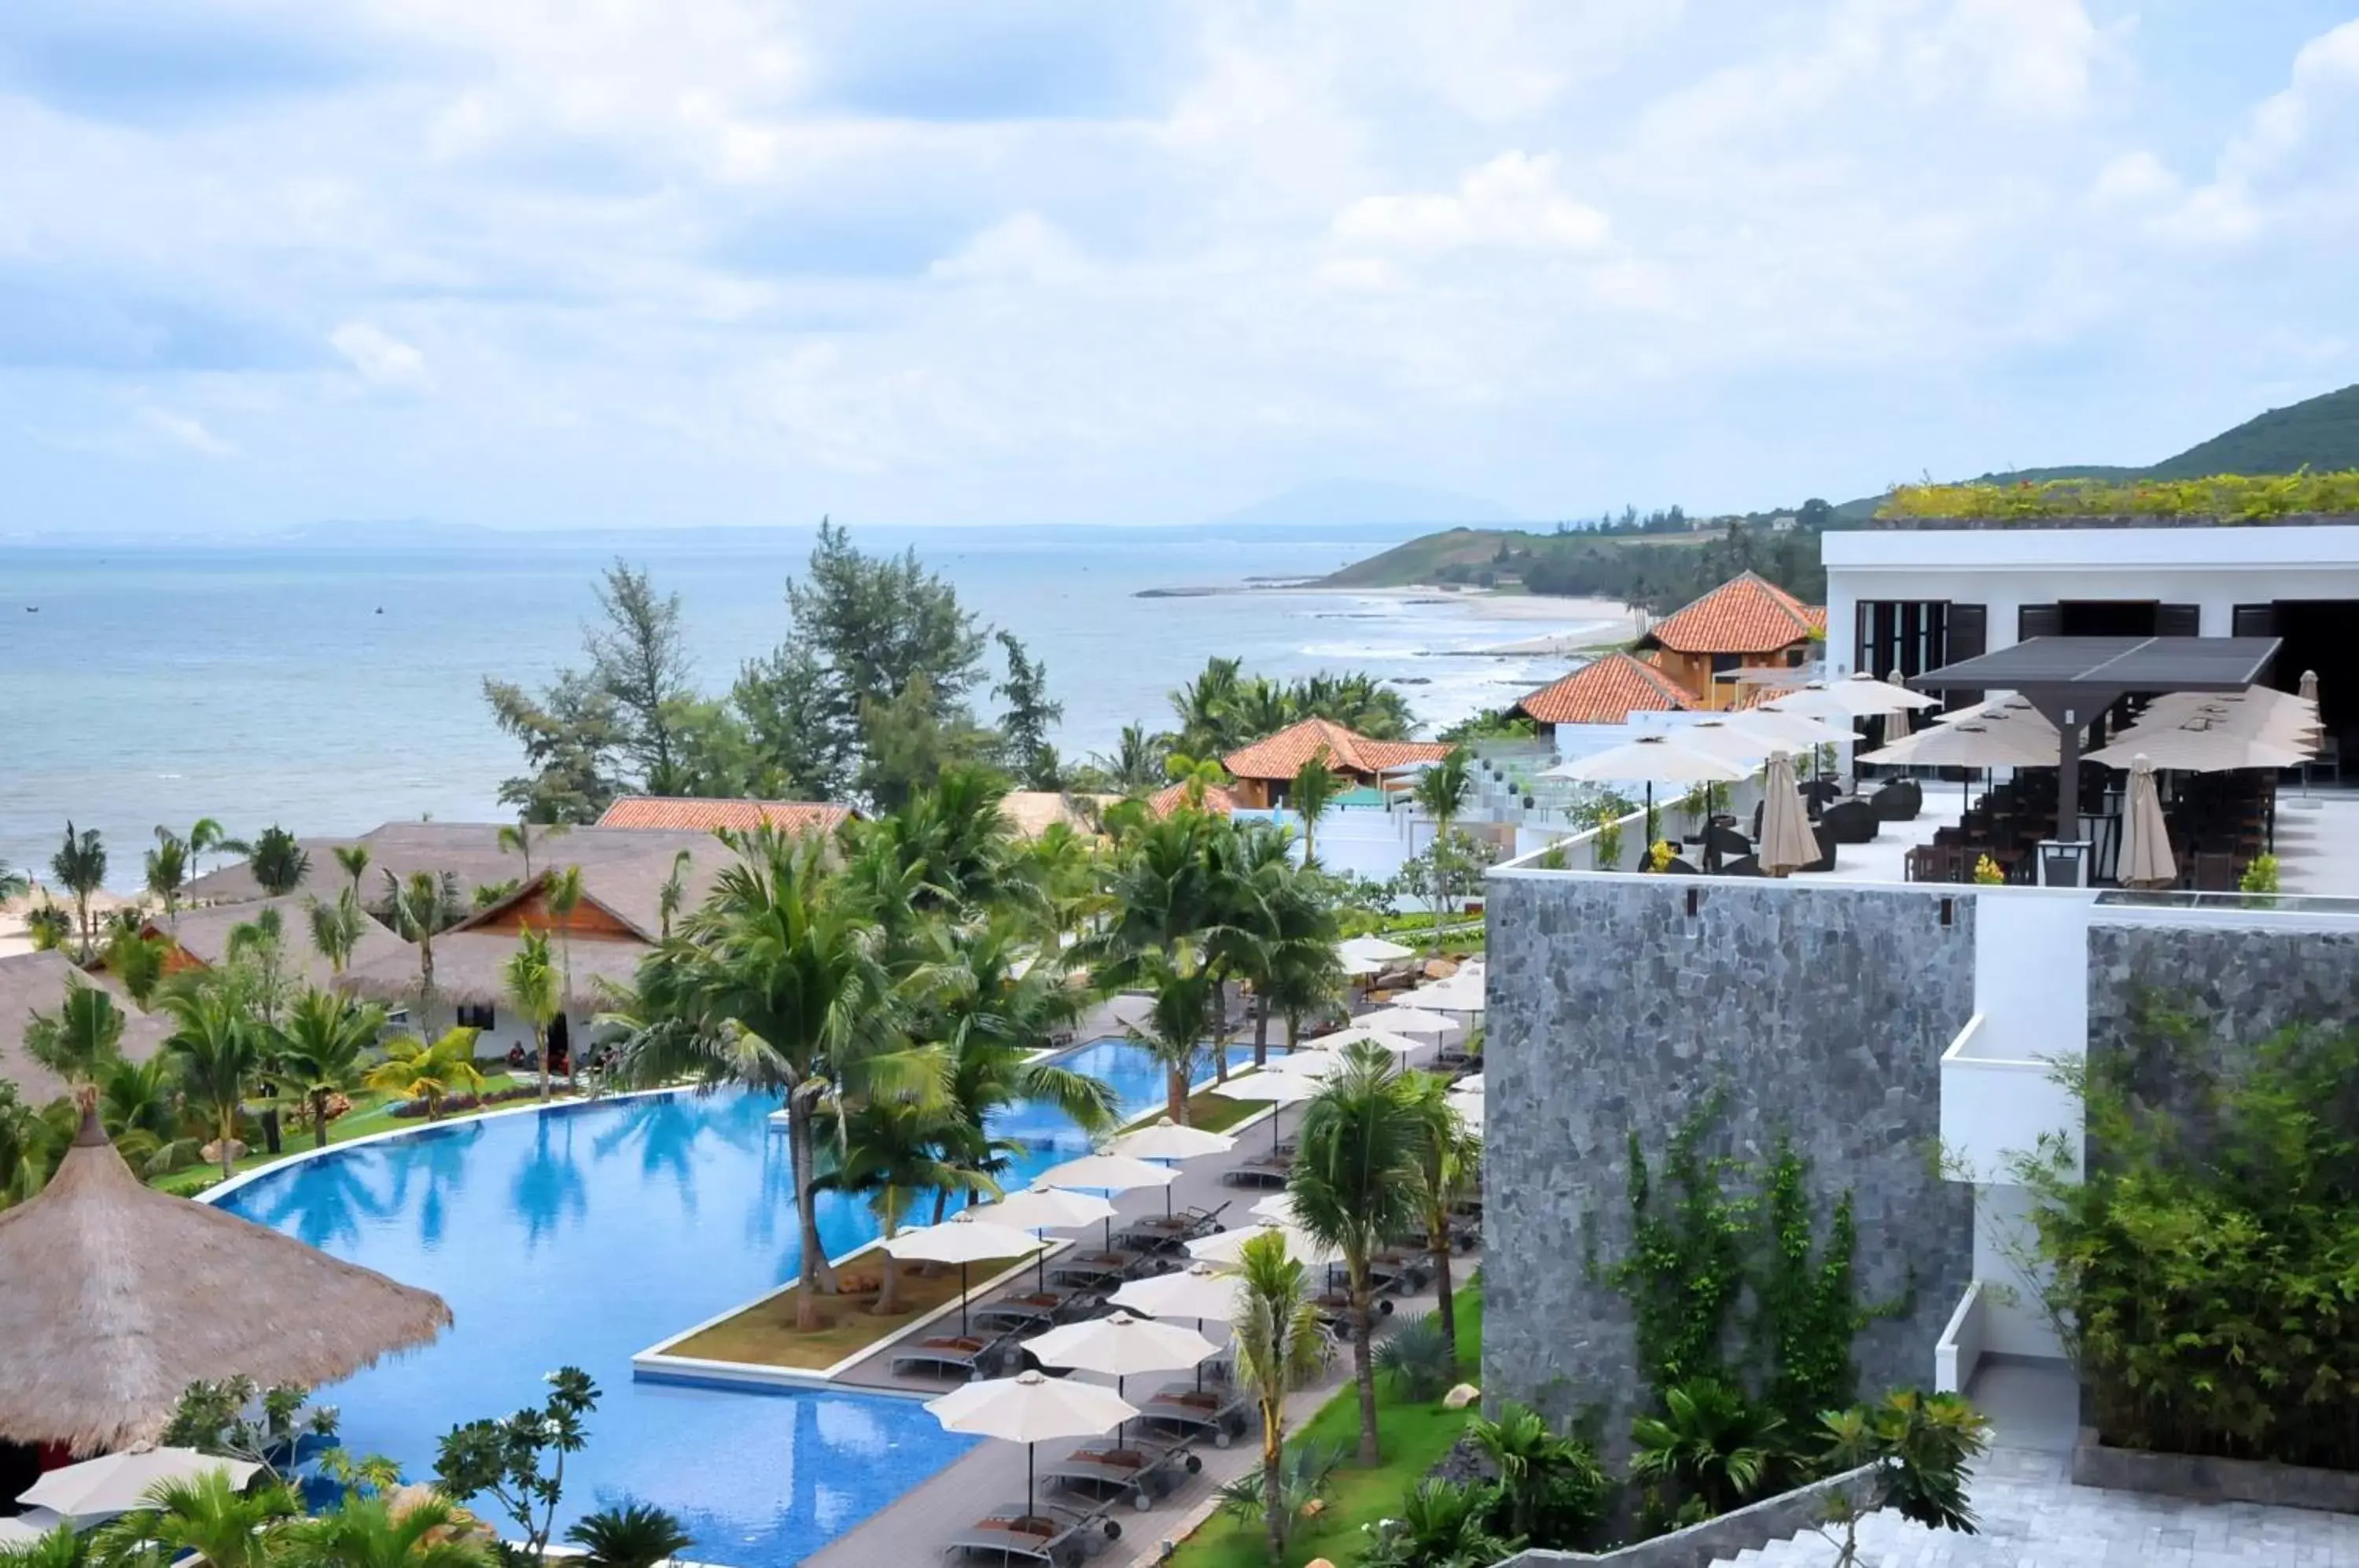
(967, 1356)
(1261, 1171)
(1220, 1410)
(1143, 1471)
(1046, 1532)
(1094, 1270)
(1403, 1268)
(1162, 1232)
(1035, 1310)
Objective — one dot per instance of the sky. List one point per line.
(640, 263)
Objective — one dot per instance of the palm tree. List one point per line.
(354, 859)
(278, 863)
(47, 926)
(63, 1547)
(14, 883)
(633, 1536)
(80, 867)
(168, 871)
(206, 1515)
(1711, 1441)
(1312, 795)
(522, 837)
(206, 837)
(363, 1531)
(887, 1151)
(1174, 1029)
(31, 1146)
(419, 906)
(1449, 1165)
(1442, 793)
(336, 929)
(1136, 764)
(531, 984)
(79, 1039)
(1195, 776)
(562, 895)
(322, 1049)
(674, 889)
(431, 1073)
(778, 983)
(1355, 1187)
(1281, 1345)
(139, 1106)
(1535, 1465)
(216, 1044)
(137, 962)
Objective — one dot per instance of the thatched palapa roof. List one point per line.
(36, 982)
(469, 968)
(118, 1297)
(204, 935)
(468, 850)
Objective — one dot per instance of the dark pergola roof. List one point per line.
(2110, 666)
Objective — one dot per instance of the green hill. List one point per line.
(2318, 433)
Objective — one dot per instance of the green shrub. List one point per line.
(2230, 497)
(1419, 1360)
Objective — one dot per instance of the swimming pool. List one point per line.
(590, 1231)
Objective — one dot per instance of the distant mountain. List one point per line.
(1349, 501)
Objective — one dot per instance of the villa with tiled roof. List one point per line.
(1746, 622)
(1606, 691)
(1263, 770)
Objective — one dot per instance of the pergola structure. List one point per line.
(2071, 680)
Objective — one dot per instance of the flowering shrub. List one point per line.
(2233, 499)
(1988, 872)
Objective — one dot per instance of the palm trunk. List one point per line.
(888, 1294)
(320, 1118)
(540, 1052)
(1261, 1030)
(1273, 1504)
(813, 1272)
(1175, 1095)
(1221, 1033)
(1363, 1360)
(228, 1132)
(1446, 1310)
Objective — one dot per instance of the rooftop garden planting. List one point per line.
(2228, 497)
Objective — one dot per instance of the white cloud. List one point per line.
(382, 359)
(187, 432)
(1026, 248)
(1511, 202)
(2292, 157)
(2132, 179)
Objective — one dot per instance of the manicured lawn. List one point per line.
(764, 1334)
(371, 1112)
(1414, 1439)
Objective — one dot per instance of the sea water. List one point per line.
(329, 689)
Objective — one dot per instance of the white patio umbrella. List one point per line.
(1277, 1208)
(2146, 860)
(1166, 1139)
(1312, 1064)
(1456, 994)
(1121, 1347)
(961, 1239)
(2015, 740)
(1989, 708)
(1787, 841)
(1798, 732)
(1896, 722)
(1411, 1021)
(118, 1483)
(1228, 1246)
(1652, 757)
(1199, 1291)
(1856, 696)
(1112, 1174)
(1360, 968)
(1469, 1084)
(1470, 1108)
(1725, 739)
(1269, 1088)
(1398, 1044)
(28, 1527)
(1042, 1207)
(1375, 949)
(1031, 1408)
(2198, 747)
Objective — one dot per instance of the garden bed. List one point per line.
(764, 1333)
(2208, 1480)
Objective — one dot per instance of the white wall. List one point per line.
(2032, 974)
(2013, 1322)
(2216, 568)
(510, 1028)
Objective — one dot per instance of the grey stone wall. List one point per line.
(2243, 983)
(1823, 1011)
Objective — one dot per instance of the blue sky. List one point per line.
(548, 262)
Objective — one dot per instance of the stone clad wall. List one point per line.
(2244, 982)
(1823, 1011)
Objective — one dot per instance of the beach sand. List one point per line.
(1600, 623)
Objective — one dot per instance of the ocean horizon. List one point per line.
(329, 686)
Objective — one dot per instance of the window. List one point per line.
(1721, 663)
(1903, 634)
(475, 1017)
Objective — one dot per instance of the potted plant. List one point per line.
(2259, 882)
(1988, 872)
(1606, 848)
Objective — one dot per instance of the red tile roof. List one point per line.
(1606, 691)
(1282, 755)
(706, 815)
(1218, 800)
(1743, 615)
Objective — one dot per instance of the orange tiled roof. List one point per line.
(1745, 615)
(1606, 691)
(1282, 755)
(1218, 799)
(706, 815)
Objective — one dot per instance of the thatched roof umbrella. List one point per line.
(119, 1297)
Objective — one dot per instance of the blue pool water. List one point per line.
(588, 1233)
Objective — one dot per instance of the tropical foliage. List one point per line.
(1280, 1345)
(2227, 497)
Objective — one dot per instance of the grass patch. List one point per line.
(764, 1335)
(1414, 1437)
(371, 1112)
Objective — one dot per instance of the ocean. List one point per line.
(330, 689)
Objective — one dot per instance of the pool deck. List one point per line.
(915, 1528)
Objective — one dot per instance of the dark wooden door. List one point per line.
(2178, 620)
(2038, 620)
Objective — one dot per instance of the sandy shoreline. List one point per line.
(1597, 623)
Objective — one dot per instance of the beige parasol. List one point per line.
(1787, 841)
(1030, 1409)
(1896, 722)
(2146, 847)
(117, 1482)
(118, 1297)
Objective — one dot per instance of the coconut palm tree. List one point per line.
(80, 1038)
(139, 1105)
(414, 1070)
(218, 1049)
(674, 890)
(205, 1515)
(1206, 708)
(322, 1050)
(1312, 795)
(206, 837)
(137, 962)
(523, 836)
(531, 983)
(777, 983)
(336, 929)
(31, 1146)
(363, 1531)
(419, 906)
(1449, 1158)
(49, 927)
(1136, 764)
(1175, 1026)
(633, 1536)
(168, 871)
(14, 883)
(889, 1151)
(1442, 793)
(1281, 1345)
(278, 863)
(562, 895)
(1354, 1185)
(1196, 775)
(355, 860)
(80, 866)
(63, 1547)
